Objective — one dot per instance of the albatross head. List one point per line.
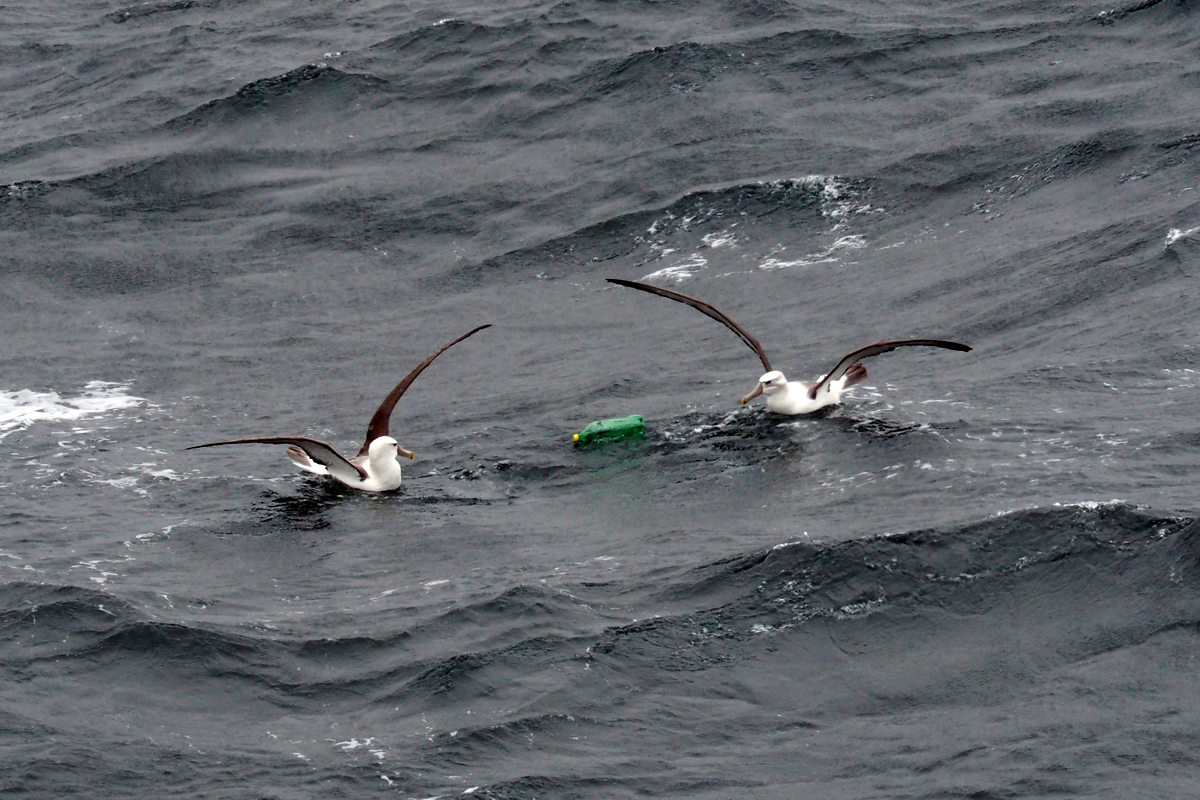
(768, 384)
(387, 447)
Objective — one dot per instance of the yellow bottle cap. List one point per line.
(577, 437)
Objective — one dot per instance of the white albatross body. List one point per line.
(380, 464)
(795, 397)
(792, 397)
(376, 467)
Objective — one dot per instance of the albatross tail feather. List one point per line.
(856, 374)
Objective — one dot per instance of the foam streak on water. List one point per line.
(24, 407)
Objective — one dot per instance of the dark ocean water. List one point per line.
(978, 577)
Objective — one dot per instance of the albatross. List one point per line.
(375, 468)
(796, 397)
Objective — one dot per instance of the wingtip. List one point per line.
(472, 332)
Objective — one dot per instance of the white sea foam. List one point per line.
(1093, 505)
(100, 573)
(1175, 234)
(1085, 505)
(725, 238)
(837, 201)
(862, 609)
(680, 271)
(354, 744)
(828, 255)
(24, 407)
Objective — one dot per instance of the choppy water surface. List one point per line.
(976, 577)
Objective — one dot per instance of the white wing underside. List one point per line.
(345, 470)
(304, 462)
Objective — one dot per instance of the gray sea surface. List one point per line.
(976, 577)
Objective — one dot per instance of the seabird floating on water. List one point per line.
(796, 397)
(375, 468)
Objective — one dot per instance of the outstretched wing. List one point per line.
(851, 359)
(703, 308)
(378, 425)
(318, 451)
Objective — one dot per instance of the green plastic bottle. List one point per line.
(612, 430)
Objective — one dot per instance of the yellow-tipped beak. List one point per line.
(400, 451)
(753, 394)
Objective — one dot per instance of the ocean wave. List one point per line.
(451, 34)
(920, 573)
(282, 97)
(737, 226)
(708, 613)
(143, 10)
(951, 618)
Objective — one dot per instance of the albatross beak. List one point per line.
(757, 391)
(400, 451)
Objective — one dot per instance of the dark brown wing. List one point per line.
(318, 451)
(703, 308)
(851, 359)
(378, 425)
